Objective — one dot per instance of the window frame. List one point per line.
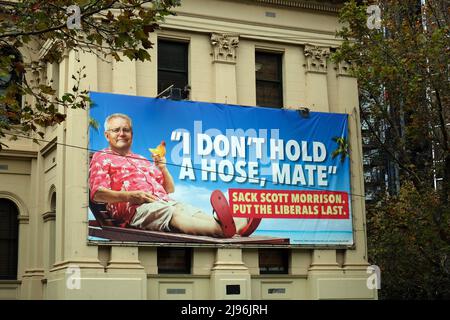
(278, 81)
(169, 70)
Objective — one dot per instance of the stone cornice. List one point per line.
(250, 30)
(48, 46)
(30, 273)
(23, 219)
(50, 146)
(329, 6)
(18, 153)
(49, 216)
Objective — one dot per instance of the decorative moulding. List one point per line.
(224, 47)
(344, 68)
(49, 216)
(316, 58)
(327, 6)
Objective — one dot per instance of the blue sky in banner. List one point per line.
(159, 119)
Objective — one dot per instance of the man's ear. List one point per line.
(106, 134)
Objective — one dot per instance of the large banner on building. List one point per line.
(285, 172)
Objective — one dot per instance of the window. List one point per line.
(269, 86)
(273, 261)
(53, 202)
(174, 260)
(9, 78)
(52, 234)
(173, 67)
(9, 230)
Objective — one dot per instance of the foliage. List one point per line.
(404, 240)
(342, 148)
(403, 72)
(117, 28)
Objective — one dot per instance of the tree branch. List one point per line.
(84, 13)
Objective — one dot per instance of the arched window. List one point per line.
(53, 202)
(10, 77)
(9, 244)
(52, 230)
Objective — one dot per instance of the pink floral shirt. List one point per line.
(133, 172)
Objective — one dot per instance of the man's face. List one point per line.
(119, 135)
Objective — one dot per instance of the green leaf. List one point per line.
(127, 32)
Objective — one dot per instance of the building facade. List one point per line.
(211, 51)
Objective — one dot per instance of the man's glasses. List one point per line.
(117, 130)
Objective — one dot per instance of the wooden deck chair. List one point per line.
(101, 214)
(105, 227)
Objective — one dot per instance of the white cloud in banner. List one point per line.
(196, 196)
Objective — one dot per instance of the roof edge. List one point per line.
(332, 6)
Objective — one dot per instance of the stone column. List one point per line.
(355, 260)
(224, 61)
(78, 273)
(34, 272)
(316, 77)
(124, 271)
(74, 259)
(76, 163)
(327, 278)
(147, 71)
(316, 98)
(48, 218)
(230, 278)
(245, 74)
(24, 254)
(343, 89)
(294, 84)
(324, 264)
(60, 159)
(323, 273)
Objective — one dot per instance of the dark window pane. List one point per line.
(268, 94)
(269, 88)
(9, 230)
(273, 261)
(174, 260)
(167, 78)
(172, 55)
(268, 66)
(172, 64)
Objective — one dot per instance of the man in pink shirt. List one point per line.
(136, 190)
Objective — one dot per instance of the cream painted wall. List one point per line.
(313, 274)
(201, 68)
